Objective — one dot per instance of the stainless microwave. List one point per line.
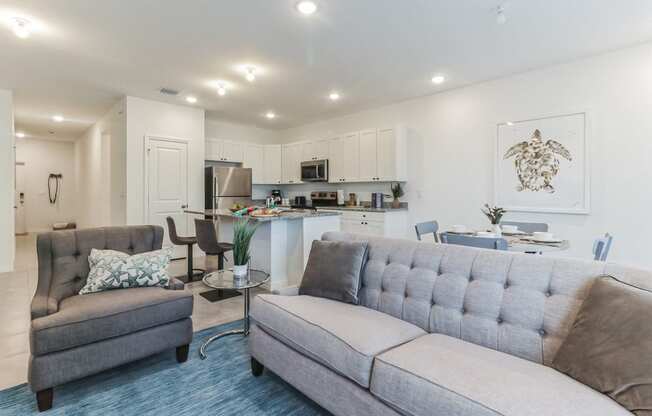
(314, 171)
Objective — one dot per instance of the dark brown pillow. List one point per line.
(609, 347)
(333, 270)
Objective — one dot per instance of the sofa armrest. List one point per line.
(175, 284)
(43, 305)
(287, 291)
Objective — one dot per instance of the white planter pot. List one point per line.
(496, 230)
(241, 270)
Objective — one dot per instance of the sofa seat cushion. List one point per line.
(341, 336)
(84, 319)
(441, 375)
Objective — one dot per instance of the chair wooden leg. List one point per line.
(182, 353)
(256, 367)
(189, 262)
(44, 399)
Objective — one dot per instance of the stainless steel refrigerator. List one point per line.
(226, 186)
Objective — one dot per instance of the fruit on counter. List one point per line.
(265, 212)
(236, 207)
(244, 211)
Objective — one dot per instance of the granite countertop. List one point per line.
(294, 214)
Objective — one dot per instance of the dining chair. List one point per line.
(528, 227)
(207, 241)
(189, 242)
(601, 247)
(427, 227)
(472, 241)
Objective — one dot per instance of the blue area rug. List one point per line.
(221, 385)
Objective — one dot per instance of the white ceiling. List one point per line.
(374, 52)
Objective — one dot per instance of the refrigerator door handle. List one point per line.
(214, 192)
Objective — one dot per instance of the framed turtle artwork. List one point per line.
(541, 165)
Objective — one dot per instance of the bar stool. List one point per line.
(207, 241)
(184, 241)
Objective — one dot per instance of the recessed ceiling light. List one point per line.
(438, 79)
(21, 27)
(221, 89)
(57, 118)
(191, 99)
(307, 7)
(20, 135)
(250, 73)
(501, 17)
(334, 96)
(509, 123)
(270, 115)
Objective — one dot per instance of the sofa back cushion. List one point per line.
(520, 304)
(63, 255)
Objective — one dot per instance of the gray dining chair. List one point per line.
(189, 242)
(472, 241)
(601, 247)
(427, 227)
(528, 227)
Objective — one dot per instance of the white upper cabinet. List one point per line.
(335, 159)
(224, 151)
(292, 158)
(232, 151)
(351, 157)
(392, 154)
(272, 156)
(254, 158)
(368, 156)
(213, 149)
(315, 150)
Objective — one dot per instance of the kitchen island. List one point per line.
(281, 244)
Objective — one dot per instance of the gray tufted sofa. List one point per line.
(441, 330)
(73, 336)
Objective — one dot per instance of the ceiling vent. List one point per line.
(168, 91)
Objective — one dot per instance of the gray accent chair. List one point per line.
(73, 336)
(441, 329)
(472, 241)
(528, 227)
(429, 227)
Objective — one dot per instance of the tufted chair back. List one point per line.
(520, 304)
(63, 257)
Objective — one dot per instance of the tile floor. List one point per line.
(17, 288)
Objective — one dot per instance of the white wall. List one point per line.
(151, 118)
(217, 129)
(7, 245)
(42, 157)
(452, 138)
(100, 168)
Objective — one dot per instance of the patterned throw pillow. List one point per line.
(112, 269)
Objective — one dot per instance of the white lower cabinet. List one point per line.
(384, 224)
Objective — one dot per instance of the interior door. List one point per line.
(168, 186)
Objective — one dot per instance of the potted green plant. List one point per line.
(495, 214)
(243, 232)
(397, 192)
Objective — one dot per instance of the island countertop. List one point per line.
(292, 214)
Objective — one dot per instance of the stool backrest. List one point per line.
(207, 236)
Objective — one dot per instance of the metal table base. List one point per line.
(244, 331)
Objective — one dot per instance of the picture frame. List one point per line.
(542, 164)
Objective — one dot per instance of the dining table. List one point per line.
(524, 242)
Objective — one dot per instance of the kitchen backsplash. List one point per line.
(362, 190)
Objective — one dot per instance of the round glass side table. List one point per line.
(225, 279)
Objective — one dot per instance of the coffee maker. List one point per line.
(277, 197)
